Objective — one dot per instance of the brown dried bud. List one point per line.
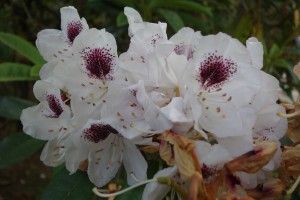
(254, 160)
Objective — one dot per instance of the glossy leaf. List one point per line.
(172, 18)
(11, 107)
(15, 72)
(22, 46)
(68, 187)
(16, 147)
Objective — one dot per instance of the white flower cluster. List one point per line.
(98, 106)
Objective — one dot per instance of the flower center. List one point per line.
(98, 132)
(215, 70)
(54, 106)
(73, 29)
(98, 62)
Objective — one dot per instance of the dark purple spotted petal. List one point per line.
(215, 70)
(99, 63)
(54, 106)
(73, 29)
(98, 132)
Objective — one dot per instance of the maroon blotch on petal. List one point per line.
(215, 70)
(54, 106)
(98, 132)
(99, 63)
(73, 29)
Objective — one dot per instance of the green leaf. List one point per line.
(194, 22)
(274, 51)
(11, 107)
(172, 18)
(68, 187)
(22, 46)
(16, 147)
(121, 19)
(35, 71)
(15, 72)
(185, 5)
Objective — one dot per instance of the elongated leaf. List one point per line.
(16, 147)
(68, 187)
(11, 107)
(22, 46)
(185, 5)
(35, 70)
(172, 18)
(15, 72)
(190, 20)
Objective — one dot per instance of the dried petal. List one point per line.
(254, 160)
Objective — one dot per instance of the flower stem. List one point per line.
(177, 187)
(99, 194)
(294, 114)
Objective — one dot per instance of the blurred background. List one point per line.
(276, 23)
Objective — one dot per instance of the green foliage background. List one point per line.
(276, 23)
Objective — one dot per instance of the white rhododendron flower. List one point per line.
(99, 110)
(105, 150)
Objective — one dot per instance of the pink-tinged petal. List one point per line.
(134, 162)
(256, 51)
(71, 24)
(157, 191)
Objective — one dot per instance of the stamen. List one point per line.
(134, 177)
(294, 114)
(143, 131)
(99, 194)
(294, 186)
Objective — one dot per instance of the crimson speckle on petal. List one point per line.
(73, 29)
(99, 63)
(98, 132)
(54, 106)
(215, 70)
(180, 49)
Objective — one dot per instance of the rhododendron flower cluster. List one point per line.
(200, 102)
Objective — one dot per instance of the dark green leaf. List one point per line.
(121, 19)
(194, 22)
(185, 5)
(11, 107)
(15, 72)
(68, 187)
(16, 147)
(172, 18)
(22, 46)
(35, 70)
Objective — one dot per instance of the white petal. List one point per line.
(156, 191)
(105, 161)
(71, 19)
(135, 20)
(51, 44)
(256, 51)
(174, 111)
(134, 163)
